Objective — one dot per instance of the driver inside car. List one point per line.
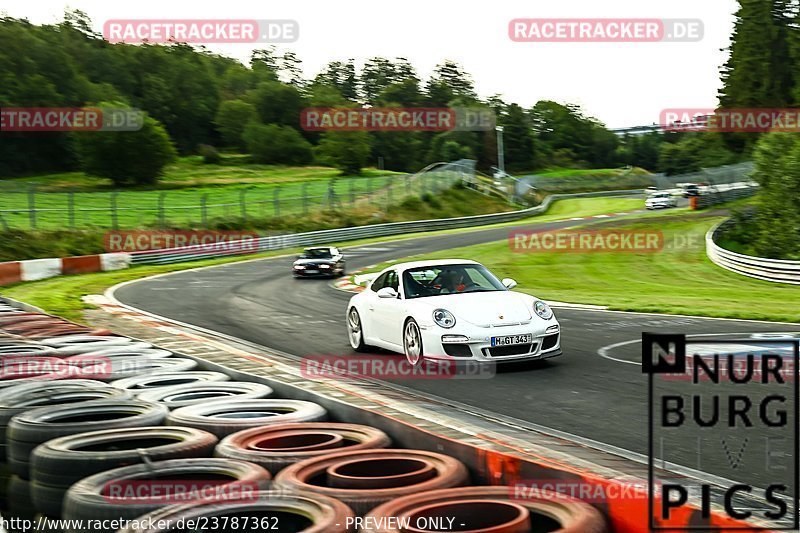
(455, 281)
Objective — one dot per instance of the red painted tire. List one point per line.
(397, 466)
(278, 511)
(491, 509)
(275, 447)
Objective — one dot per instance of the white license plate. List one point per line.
(510, 340)
(312, 271)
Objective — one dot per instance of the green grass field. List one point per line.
(680, 279)
(264, 190)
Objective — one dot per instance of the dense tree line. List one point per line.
(763, 68)
(206, 102)
(763, 71)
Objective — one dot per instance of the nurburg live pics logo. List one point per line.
(744, 422)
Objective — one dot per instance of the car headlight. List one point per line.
(299, 267)
(324, 266)
(543, 310)
(444, 318)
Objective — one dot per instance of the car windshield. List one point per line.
(449, 279)
(316, 253)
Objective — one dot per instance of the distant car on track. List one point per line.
(319, 261)
(691, 189)
(451, 309)
(660, 200)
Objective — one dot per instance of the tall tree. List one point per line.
(341, 75)
(518, 138)
(449, 81)
(380, 73)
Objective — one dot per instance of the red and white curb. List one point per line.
(347, 285)
(355, 282)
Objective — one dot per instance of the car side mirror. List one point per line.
(509, 283)
(387, 292)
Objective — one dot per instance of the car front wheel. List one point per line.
(355, 331)
(412, 342)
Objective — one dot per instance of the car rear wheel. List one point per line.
(412, 342)
(355, 331)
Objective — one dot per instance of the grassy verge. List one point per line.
(187, 184)
(62, 295)
(583, 180)
(191, 172)
(679, 279)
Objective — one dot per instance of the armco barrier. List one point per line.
(295, 240)
(775, 270)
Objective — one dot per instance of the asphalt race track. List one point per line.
(597, 397)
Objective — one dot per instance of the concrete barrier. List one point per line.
(36, 269)
(10, 273)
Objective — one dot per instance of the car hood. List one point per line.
(485, 308)
(313, 261)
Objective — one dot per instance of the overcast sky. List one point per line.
(622, 84)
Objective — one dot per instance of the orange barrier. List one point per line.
(10, 273)
(627, 511)
(81, 264)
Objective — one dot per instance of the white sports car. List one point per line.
(451, 309)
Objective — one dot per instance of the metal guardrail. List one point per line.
(775, 270)
(296, 240)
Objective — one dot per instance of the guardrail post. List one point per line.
(162, 220)
(305, 198)
(276, 201)
(243, 204)
(369, 189)
(352, 191)
(204, 209)
(114, 219)
(71, 209)
(389, 194)
(331, 196)
(32, 205)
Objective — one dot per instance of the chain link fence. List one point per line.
(35, 206)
